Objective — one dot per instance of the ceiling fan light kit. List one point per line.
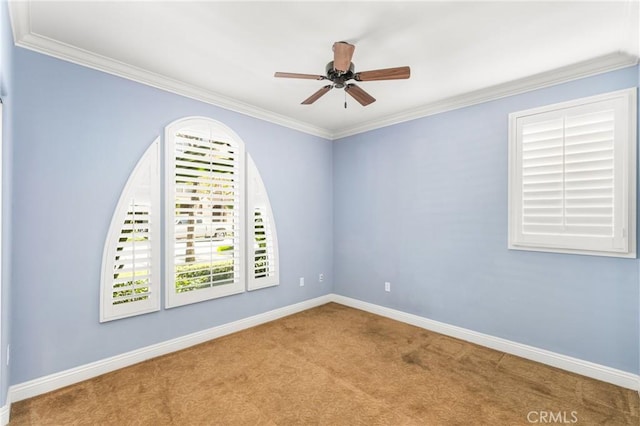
(341, 70)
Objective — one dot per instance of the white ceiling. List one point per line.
(226, 52)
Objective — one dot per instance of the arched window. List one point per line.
(262, 241)
(219, 231)
(130, 283)
(205, 211)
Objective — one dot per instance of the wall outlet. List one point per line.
(387, 286)
(320, 278)
(301, 281)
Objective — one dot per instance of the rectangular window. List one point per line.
(572, 176)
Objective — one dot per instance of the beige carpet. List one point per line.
(334, 365)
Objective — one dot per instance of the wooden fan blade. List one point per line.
(359, 95)
(311, 99)
(342, 54)
(294, 75)
(397, 73)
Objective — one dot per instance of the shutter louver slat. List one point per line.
(193, 139)
(549, 180)
(211, 179)
(589, 220)
(587, 175)
(548, 194)
(542, 170)
(578, 193)
(542, 160)
(541, 229)
(212, 186)
(126, 283)
(542, 147)
(586, 139)
(208, 148)
(590, 156)
(193, 166)
(132, 270)
(130, 297)
(595, 211)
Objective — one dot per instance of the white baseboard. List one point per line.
(5, 411)
(74, 375)
(575, 365)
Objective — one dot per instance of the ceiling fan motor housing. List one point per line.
(338, 78)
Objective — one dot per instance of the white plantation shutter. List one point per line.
(572, 176)
(130, 267)
(205, 211)
(262, 240)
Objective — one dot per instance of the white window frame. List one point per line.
(148, 163)
(213, 129)
(623, 242)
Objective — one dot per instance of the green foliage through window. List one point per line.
(203, 275)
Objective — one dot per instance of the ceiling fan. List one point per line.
(341, 70)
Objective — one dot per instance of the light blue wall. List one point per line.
(78, 135)
(423, 205)
(6, 84)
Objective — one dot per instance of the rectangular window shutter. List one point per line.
(571, 177)
(568, 175)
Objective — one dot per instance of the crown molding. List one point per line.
(20, 21)
(23, 37)
(598, 65)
